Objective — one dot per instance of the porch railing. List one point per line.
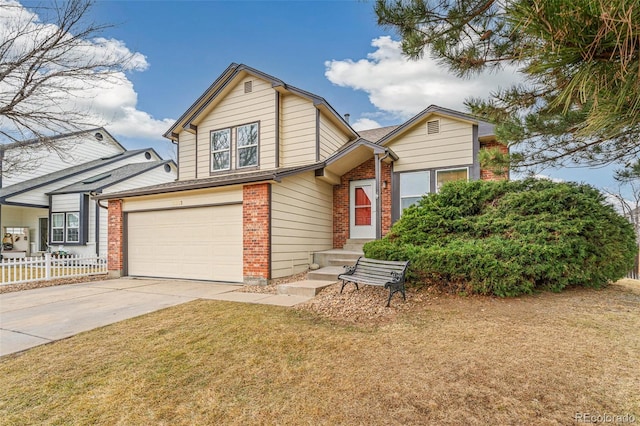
(48, 267)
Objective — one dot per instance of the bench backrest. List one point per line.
(380, 268)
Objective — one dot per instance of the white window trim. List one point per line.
(257, 145)
(213, 152)
(67, 227)
(450, 170)
(64, 220)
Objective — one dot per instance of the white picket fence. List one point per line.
(13, 271)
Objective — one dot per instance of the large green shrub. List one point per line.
(511, 237)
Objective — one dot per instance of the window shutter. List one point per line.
(433, 127)
(248, 86)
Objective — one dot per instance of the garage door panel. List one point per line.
(197, 243)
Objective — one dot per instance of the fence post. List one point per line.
(47, 266)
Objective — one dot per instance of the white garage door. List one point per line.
(196, 243)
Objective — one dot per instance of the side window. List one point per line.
(73, 227)
(221, 150)
(413, 186)
(57, 227)
(444, 176)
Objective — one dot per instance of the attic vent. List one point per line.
(433, 127)
(98, 136)
(248, 86)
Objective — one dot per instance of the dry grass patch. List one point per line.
(444, 360)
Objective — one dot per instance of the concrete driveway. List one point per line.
(34, 317)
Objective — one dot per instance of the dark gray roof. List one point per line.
(215, 181)
(104, 180)
(59, 175)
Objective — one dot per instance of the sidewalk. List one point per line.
(34, 317)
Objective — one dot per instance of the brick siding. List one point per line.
(488, 174)
(115, 257)
(256, 220)
(365, 170)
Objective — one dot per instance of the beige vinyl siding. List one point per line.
(301, 221)
(331, 138)
(187, 156)
(65, 203)
(298, 135)
(235, 109)
(452, 146)
(154, 176)
(184, 199)
(40, 161)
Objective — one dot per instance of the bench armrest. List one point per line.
(349, 269)
(397, 277)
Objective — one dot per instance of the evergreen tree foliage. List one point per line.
(580, 102)
(511, 237)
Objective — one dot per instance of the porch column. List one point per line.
(376, 163)
(115, 255)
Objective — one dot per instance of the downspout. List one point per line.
(378, 167)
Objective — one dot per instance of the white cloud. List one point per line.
(546, 177)
(112, 103)
(365, 124)
(402, 87)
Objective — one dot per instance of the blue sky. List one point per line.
(334, 49)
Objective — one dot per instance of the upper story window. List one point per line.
(247, 145)
(221, 150)
(413, 186)
(444, 176)
(235, 147)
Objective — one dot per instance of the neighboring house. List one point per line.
(269, 174)
(45, 194)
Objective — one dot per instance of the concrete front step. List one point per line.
(328, 273)
(323, 258)
(342, 261)
(307, 288)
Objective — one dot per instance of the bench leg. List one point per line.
(347, 282)
(393, 289)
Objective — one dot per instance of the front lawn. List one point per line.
(437, 360)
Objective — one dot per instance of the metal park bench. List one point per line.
(385, 273)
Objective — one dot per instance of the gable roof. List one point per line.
(104, 180)
(226, 77)
(28, 185)
(484, 128)
(29, 142)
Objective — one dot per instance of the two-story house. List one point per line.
(268, 174)
(46, 189)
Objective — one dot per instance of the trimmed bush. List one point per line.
(511, 237)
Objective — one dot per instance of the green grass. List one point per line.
(448, 360)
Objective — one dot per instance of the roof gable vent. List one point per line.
(248, 86)
(433, 127)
